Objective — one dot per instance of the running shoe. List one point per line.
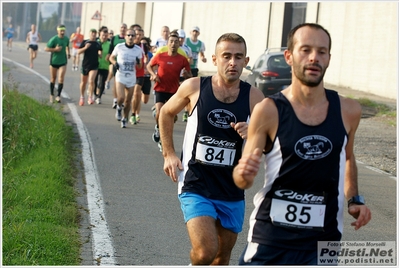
(133, 120)
(155, 135)
(137, 118)
(185, 117)
(114, 105)
(106, 84)
(160, 146)
(82, 101)
(118, 114)
(98, 100)
(123, 123)
(51, 98)
(58, 99)
(90, 101)
(154, 111)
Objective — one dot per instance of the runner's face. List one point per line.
(194, 34)
(130, 35)
(310, 57)
(230, 60)
(123, 30)
(139, 35)
(173, 44)
(104, 36)
(165, 33)
(93, 35)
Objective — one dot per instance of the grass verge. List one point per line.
(40, 213)
(381, 110)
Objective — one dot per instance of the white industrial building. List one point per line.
(364, 34)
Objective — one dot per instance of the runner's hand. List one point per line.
(172, 167)
(361, 213)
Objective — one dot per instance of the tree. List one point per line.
(51, 23)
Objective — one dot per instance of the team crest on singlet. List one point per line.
(313, 147)
(221, 118)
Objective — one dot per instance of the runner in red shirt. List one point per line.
(76, 39)
(167, 78)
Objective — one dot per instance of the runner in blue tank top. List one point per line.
(307, 134)
(219, 109)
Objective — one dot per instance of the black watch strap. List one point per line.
(357, 199)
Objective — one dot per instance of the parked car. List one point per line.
(270, 73)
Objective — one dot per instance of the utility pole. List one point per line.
(63, 10)
(39, 6)
(22, 32)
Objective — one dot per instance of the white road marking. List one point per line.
(378, 170)
(103, 250)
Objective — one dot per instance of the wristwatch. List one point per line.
(357, 199)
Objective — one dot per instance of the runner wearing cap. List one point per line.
(197, 48)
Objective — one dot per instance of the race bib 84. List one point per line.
(214, 151)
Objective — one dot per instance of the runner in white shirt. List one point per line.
(33, 38)
(124, 57)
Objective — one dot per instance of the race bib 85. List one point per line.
(298, 209)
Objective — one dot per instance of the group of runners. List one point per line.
(230, 127)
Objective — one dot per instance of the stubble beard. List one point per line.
(299, 72)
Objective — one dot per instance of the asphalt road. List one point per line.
(141, 211)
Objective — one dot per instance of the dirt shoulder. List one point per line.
(376, 137)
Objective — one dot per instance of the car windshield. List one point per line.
(277, 62)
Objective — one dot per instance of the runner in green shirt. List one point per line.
(103, 64)
(58, 45)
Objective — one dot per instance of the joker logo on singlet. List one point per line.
(221, 118)
(313, 147)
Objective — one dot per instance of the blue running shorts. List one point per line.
(230, 213)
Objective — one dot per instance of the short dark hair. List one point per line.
(174, 33)
(290, 38)
(103, 28)
(147, 39)
(232, 37)
(135, 25)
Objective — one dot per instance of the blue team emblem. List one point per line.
(313, 147)
(221, 118)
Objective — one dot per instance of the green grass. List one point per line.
(40, 213)
(382, 110)
(5, 68)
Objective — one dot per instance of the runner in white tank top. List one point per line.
(33, 38)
